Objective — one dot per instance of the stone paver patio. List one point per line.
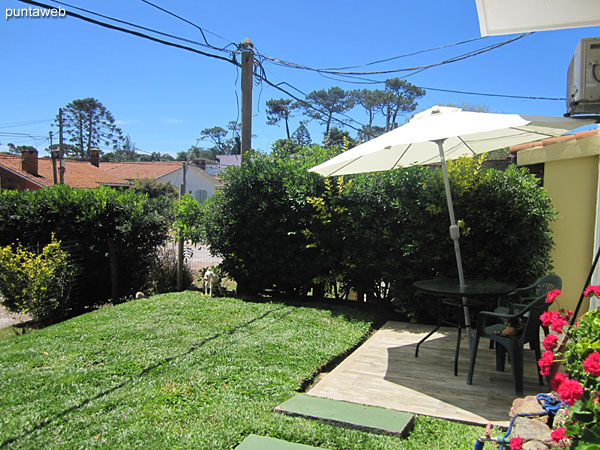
(384, 372)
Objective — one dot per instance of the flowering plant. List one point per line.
(579, 387)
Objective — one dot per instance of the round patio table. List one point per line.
(448, 287)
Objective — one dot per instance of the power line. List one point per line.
(406, 55)
(32, 136)
(405, 69)
(125, 30)
(23, 124)
(487, 94)
(166, 11)
(124, 22)
(261, 73)
(183, 47)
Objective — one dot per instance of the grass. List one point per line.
(185, 371)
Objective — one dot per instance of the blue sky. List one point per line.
(163, 97)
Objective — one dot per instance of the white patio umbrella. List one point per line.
(442, 133)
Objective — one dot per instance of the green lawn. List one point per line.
(184, 371)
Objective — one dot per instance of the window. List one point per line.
(201, 195)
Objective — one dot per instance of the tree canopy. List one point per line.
(88, 124)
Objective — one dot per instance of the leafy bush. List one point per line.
(36, 284)
(277, 226)
(106, 223)
(256, 222)
(188, 220)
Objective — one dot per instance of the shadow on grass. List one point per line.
(18, 329)
(148, 369)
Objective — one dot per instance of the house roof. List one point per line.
(79, 174)
(134, 170)
(550, 141)
(149, 169)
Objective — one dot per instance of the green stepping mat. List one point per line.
(254, 442)
(350, 415)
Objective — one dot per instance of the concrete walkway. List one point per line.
(384, 372)
(8, 319)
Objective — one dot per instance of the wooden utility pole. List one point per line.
(180, 247)
(61, 156)
(53, 155)
(247, 72)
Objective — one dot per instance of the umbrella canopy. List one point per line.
(441, 133)
(464, 134)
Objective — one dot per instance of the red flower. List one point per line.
(557, 380)
(546, 362)
(594, 290)
(550, 341)
(516, 443)
(547, 317)
(552, 295)
(558, 434)
(592, 364)
(558, 323)
(570, 391)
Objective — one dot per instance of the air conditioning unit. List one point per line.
(583, 78)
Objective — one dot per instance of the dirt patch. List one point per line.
(8, 319)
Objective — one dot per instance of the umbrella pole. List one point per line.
(454, 235)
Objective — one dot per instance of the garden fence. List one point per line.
(197, 257)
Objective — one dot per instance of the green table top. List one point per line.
(471, 288)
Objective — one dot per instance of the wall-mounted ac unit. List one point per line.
(583, 78)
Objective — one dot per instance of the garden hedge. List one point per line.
(279, 227)
(99, 222)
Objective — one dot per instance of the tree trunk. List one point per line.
(89, 142)
(81, 146)
(387, 120)
(114, 270)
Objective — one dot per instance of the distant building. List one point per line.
(28, 172)
(229, 160)
(199, 183)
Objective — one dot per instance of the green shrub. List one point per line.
(36, 284)
(103, 222)
(256, 222)
(279, 227)
(188, 219)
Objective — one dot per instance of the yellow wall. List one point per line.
(572, 185)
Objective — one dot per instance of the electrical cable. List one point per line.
(125, 30)
(366, 81)
(487, 94)
(261, 74)
(23, 124)
(183, 47)
(141, 27)
(380, 61)
(190, 23)
(406, 69)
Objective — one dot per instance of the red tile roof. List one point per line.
(544, 142)
(79, 174)
(134, 170)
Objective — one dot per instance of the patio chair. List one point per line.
(522, 296)
(528, 317)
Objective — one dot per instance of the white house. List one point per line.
(198, 182)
